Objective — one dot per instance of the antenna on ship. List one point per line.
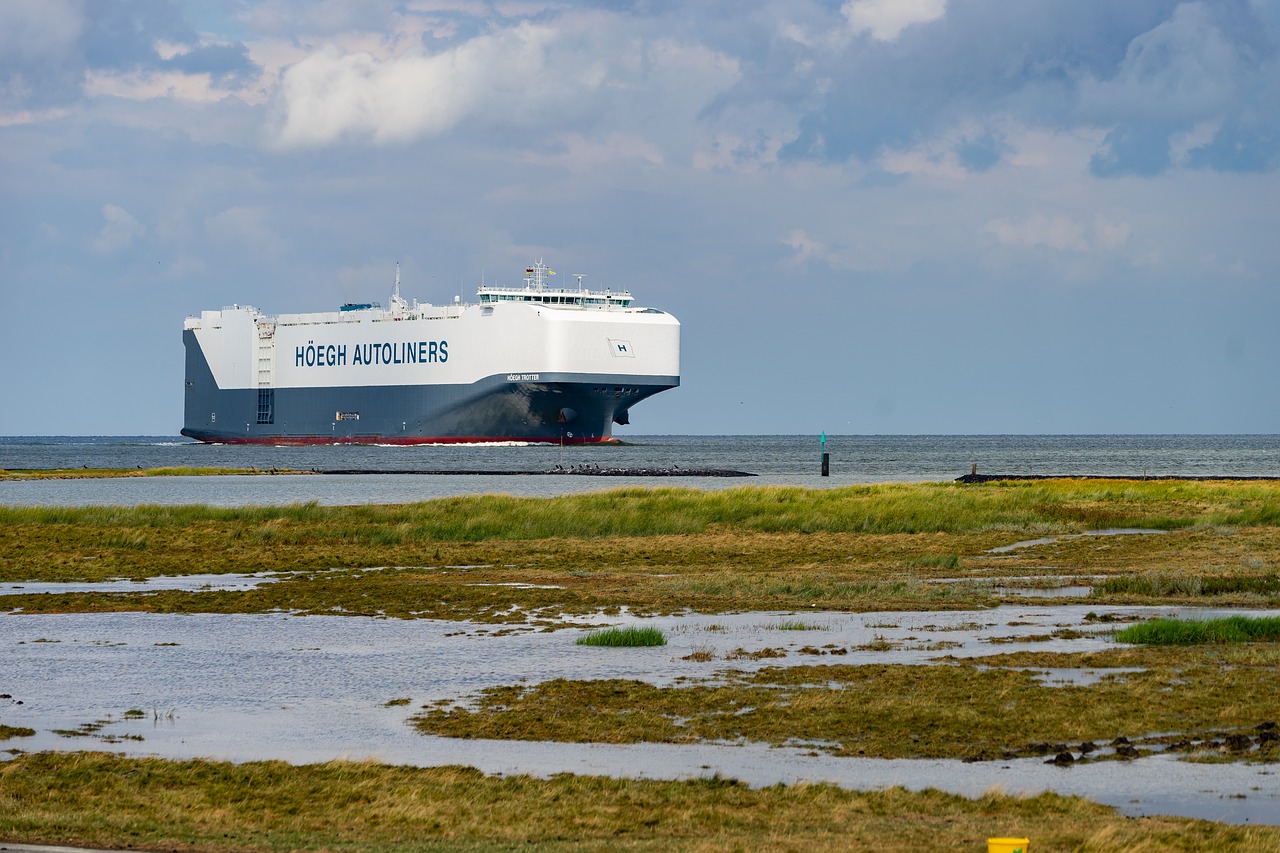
(579, 276)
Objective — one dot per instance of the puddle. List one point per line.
(1049, 540)
(182, 583)
(1044, 592)
(518, 585)
(315, 688)
(1071, 676)
(1029, 586)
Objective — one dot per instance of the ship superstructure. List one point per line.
(528, 363)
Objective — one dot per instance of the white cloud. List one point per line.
(590, 72)
(510, 75)
(1061, 233)
(886, 19)
(805, 247)
(148, 85)
(32, 116)
(118, 232)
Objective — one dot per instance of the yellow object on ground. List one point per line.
(1008, 845)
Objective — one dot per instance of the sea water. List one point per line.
(774, 459)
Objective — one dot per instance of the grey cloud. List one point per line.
(1248, 142)
(122, 34)
(1144, 71)
(291, 18)
(47, 46)
(40, 62)
(225, 63)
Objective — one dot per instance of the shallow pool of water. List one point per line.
(1049, 540)
(305, 689)
(182, 583)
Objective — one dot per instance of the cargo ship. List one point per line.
(531, 363)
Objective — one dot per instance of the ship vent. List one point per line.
(266, 405)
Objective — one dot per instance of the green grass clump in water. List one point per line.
(1188, 632)
(797, 625)
(630, 636)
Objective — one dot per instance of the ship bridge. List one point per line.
(536, 289)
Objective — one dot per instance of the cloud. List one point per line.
(40, 66)
(1200, 68)
(579, 154)
(321, 17)
(510, 75)
(1061, 233)
(886, 19)
(137, 49)
(118, 232)
(957, 153)
(1178, 71)
(1148, 71)
(594, 71)
(805, 247)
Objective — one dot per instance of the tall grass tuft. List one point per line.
(1162, 585)
(629, 636)
(798, 625)
(1188, 632)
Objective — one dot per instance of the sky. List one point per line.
(870, 217)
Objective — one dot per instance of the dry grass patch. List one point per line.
(967, 709)
(103, 800)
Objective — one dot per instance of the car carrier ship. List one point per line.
(534, 363)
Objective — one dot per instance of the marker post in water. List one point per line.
(826, 459)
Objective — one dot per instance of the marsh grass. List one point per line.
(7, 732)
(656, 551)
(1034, 507)
(99, 473)
(983, 708)
(798, 625)
(631, 635)
(1163, 585)
(1184, 632)
(94, 799)
(701, 654)
(934, 561)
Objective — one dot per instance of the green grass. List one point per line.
(1162, 585)
(798, 625)
(1037, 507)
(1189, 632)
(628, 636)
(660, 550)
(7, 732)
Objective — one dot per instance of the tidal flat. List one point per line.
(867, 624)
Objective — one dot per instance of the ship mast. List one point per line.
(398, 303)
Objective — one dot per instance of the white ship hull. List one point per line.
(517, 368)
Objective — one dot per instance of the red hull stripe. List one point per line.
(309, 440)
